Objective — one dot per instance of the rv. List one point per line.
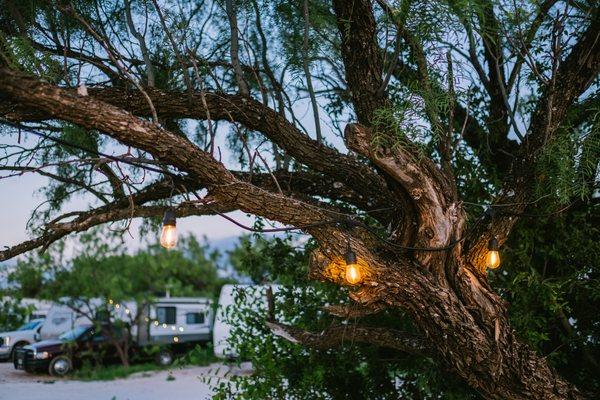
(176, 320)
(166, 320)
(172, 323)
(39, 308)
(256, 297)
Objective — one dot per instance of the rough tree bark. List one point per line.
(463, 321)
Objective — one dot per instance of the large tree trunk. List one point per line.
(463, 321)
(446, 292)
(476, 342)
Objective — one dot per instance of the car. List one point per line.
(69, 351)
(26, 334)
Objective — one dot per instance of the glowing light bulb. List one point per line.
(168, 236)
(492, 258)
(353, 274)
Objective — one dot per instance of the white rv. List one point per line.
(39, 308)
(176, 320)
(68, 314)
(222, 327)
(166, 320)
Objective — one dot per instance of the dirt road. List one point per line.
(183, 384)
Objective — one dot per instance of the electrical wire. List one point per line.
(349, 221)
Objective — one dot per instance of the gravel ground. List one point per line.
(188, 384)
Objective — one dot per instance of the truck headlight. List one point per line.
(42, 355)
(6, 340)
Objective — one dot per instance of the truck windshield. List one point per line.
(74, 333)
(29, 326)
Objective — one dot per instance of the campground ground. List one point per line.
(176, 383)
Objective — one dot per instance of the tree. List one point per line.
(430, 96)
(336, 365)
(100, 287)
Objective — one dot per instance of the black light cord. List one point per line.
(349, 221)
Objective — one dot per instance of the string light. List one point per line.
(168, 236)
(492, 258)
(353, 273)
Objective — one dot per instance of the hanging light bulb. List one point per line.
(492, 259)
(353, 274)
(168, 236)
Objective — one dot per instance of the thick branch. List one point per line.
(101, 216)
(361, 55)
(234, 108)
(338, 335)
(422, 180)
(178, 151)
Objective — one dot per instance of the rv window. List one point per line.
(102, 315)
(166, 315)
(194, 318)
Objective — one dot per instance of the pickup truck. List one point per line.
(26, 334)
(60, 356)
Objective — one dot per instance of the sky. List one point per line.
(20, 195)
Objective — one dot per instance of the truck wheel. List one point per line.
(164, 358)
(60, 366)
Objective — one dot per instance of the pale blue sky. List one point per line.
(20, 195)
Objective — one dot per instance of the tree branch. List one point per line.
(223, 186)
(361, 55)
(233, 108)
(338, 335)
(101, 216)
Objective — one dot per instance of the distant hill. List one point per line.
(224, 245)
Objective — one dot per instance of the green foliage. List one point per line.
(200, 355)
(567, 165)
(287, 370)
(21, 55)
(12, 314)
(396, 127)
(551, 278)
(269, 260)
(191, 270)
